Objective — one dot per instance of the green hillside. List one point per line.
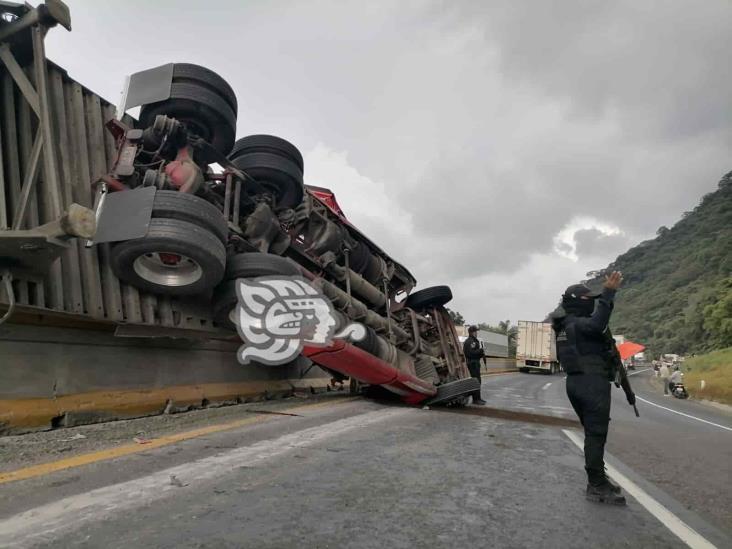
(677, 294)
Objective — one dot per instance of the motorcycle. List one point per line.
(679, 390)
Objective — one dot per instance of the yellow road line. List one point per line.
(127, 449)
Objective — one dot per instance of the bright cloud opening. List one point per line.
(565, 242)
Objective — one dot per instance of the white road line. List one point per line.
(545, 387)
(683, 414)
(638, 372)
(683, 531)
(46, 521)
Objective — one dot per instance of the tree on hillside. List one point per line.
(456, 317)
(675, 298)
(718, 316)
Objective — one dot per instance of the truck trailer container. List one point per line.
(536, 349)
(493, 344)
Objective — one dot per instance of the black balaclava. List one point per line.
(574, 304)
(577, 306)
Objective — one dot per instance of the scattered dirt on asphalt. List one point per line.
(510, 415)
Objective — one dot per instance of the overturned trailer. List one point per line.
(172, 238)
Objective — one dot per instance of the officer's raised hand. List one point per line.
(613, 280)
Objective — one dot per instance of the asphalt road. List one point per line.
(356, 473)
(689, 457)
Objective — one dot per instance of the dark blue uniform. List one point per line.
(473, 353)
(583, 346)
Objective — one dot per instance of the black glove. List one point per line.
(631, 398)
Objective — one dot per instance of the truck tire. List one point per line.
(268, 144)
(247, 265)
(355, 387)
(186, 207)
(252, 265)
(454, 390)
(196, 74)
(201, 100)
(174, 258)
(274, 168)
(434, 296)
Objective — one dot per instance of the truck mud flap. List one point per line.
(124, 215)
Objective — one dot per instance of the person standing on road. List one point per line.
(584, 351)
(473, 353)
(665, 374)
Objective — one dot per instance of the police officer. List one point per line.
(473, 353)
(583, 349)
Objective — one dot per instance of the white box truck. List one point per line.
(536, 348)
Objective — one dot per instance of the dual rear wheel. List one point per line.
(201, 100)
(183, 252)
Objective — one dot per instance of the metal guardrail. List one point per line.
(53, 148)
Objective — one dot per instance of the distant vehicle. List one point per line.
(536, 349)
(492, 343)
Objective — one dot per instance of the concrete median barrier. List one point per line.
(56, 377)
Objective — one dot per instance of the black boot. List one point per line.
(597, 476)
(614, 486)
(605, 493)
(479, 401)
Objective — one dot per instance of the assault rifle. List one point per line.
(621, 378)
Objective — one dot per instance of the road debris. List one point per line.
(77, 436)
(175, 482)
(272, 412)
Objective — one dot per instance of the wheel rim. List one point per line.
(168, 269)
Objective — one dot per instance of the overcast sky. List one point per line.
(504, 148)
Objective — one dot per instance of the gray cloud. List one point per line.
(492, 125)
(591, 242)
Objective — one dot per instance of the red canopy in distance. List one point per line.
(628, 349)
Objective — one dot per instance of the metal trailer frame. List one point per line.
(53, 149)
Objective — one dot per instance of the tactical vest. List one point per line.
(580, 352)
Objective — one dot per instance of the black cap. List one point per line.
(473, 329)
(579, 290)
